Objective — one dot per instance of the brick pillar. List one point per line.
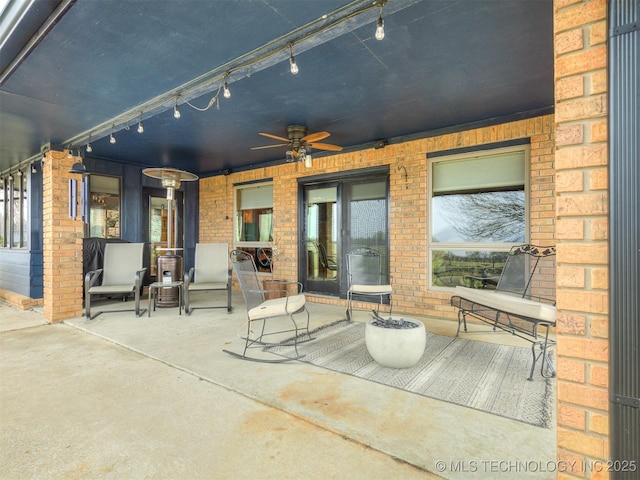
(582, 248)
(62, 241)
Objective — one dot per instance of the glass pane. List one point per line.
(24, 223)
(368, 220)
(3, 206)
(16, 214)
(322, 228)
(254, 215)
(104, 206)
(475, 269)
(479, 217)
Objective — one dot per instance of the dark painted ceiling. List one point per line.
(76, 70)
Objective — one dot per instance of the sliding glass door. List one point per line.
(341, 214)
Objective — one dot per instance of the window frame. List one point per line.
(474, 246)
(90, 193)
(15, 220)
(253, 247)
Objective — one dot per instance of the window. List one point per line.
(104, 207)
(14, 211)
(254, 222)
(478, 212)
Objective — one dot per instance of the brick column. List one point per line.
(581, 215)
(62, 241)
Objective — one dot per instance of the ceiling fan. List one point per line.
(299, 143)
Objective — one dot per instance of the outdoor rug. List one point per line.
(480, 375)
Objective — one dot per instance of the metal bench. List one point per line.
(522, 304)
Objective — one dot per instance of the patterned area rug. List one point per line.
(480, 375)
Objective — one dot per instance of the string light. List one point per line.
(380, 23)
(225, 89)
(292, 61)
(176, 110)
(140, 126)
(112, 138)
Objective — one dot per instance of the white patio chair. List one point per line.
(211, 272)
(364, 279)
(261, 311)
(122, 273)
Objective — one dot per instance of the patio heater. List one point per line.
(170, 264)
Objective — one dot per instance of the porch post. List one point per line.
(61, 242)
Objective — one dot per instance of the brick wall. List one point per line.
(581, 211)
(408, 204)
(62, 241)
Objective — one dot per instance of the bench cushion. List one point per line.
(509, 304)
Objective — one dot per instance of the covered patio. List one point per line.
(379, 423)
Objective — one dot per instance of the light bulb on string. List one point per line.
(176, 110)
(225, 91)
(380, 28)
(292, 61)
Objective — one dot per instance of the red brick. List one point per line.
(571, 416)
(581, 157)
(569, 87)
(569, 181)
(569, 41)
(594, 106)
(585, 395)
(571, 323)
(570, 229)
(581, 14)
(583, 348)
(582, 205)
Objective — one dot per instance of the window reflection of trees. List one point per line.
(483, 217)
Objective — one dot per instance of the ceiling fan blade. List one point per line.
(325, 146)
(275, 137)
(314, 137)
(270, 146)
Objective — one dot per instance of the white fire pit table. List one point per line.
(395, 342)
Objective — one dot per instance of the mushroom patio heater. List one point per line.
(170, 267)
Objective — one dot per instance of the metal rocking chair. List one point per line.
(259, 310)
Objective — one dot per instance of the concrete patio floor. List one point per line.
(156, 397)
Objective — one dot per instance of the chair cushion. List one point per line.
(277, 306)
(104, 289)
(207, 286)
(509, 303)
(373, 289)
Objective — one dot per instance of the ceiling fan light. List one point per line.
(308, 161)
(289, 156)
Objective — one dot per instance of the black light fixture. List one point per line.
(78, 168)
